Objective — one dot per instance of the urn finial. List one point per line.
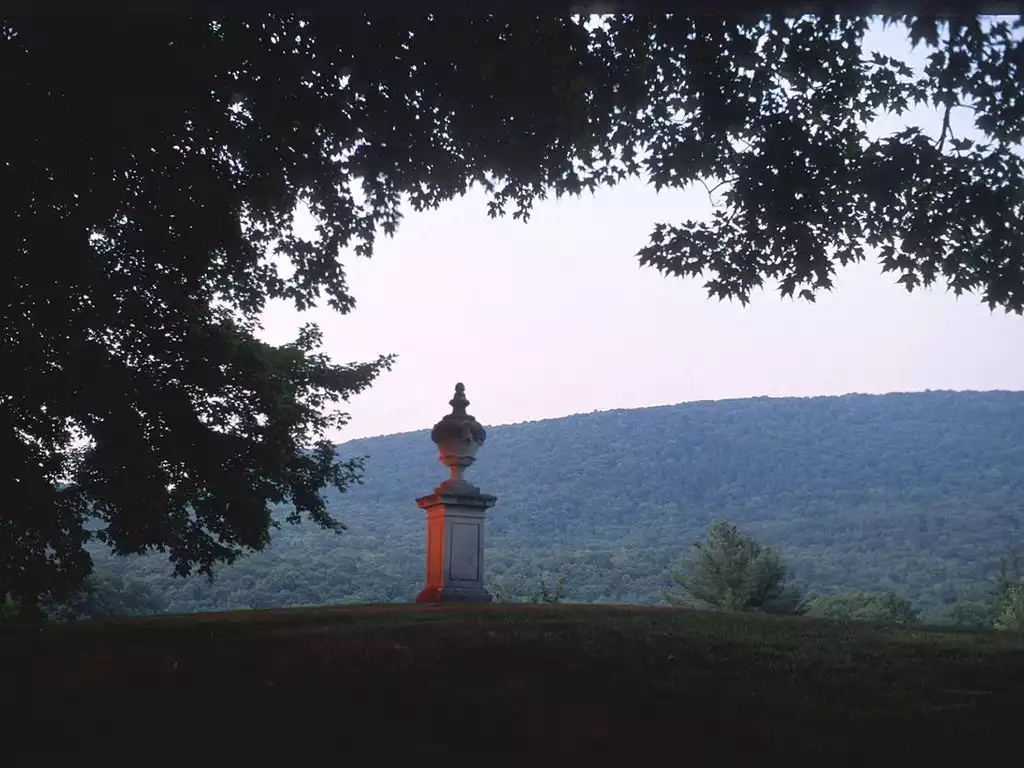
(459, 403)
(458, 437)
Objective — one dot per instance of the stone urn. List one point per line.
(458, 437)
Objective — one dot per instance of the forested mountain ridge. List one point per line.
(917, 493)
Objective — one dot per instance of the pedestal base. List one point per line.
(455, 547)
(453, 595)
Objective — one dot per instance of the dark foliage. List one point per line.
(778, 115)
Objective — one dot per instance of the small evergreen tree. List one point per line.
(732, 571)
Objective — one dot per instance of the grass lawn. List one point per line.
(594, 680)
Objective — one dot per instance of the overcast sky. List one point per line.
(555, 317)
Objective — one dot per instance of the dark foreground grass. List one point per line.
(607, 682)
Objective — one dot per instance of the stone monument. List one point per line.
(456, 512)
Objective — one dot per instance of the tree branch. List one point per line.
(710, 190)
(950, 96)
(945, 125)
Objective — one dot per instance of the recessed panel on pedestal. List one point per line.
(465, 548)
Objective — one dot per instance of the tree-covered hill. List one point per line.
(915, 493)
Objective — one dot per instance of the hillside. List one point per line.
(499, 679)
(918, 493)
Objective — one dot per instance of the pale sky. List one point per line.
(555, 317)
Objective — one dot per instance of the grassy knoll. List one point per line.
(497, 679)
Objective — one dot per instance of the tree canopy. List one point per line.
(157, 164)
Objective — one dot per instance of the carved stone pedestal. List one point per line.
(456, 512)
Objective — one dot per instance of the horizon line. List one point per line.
(699, 402)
